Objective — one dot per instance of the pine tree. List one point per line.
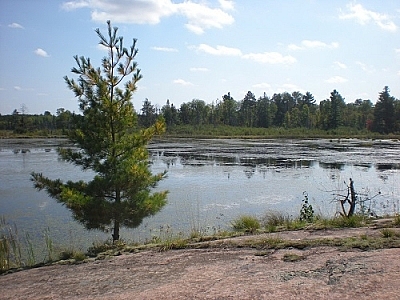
(384, 112)
(108, 142)
(336, 109)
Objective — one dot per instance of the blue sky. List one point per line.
(203, 49)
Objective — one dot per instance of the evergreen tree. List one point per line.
(109, 143)
(247, 109)
(384, 113)
(337, 106)
(149, 114)
(229, 110)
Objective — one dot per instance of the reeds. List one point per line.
(18, 251)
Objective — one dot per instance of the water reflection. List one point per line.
(385, 166)
(336, 166)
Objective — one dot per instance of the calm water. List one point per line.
(210, 183)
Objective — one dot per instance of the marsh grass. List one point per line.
(17, 250)
(276, 221)
(49, 244)
(10, 247)
(177, 242)
(339, 222)
(246, 223)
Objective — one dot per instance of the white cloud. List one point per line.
(289, 87)
(397, 50)
(262, 85)
(265, 57)
(398, 73)
(270, 58)
(71, 5)
(339, 65)
(41, 52)
(199, 70)
(16, 26)
(164, 49)
(182, 82)
(364, 16)
(219, 50)
(226, 4)
(336, 79)
(19, 88)
(308, 44)
(365, 67)
(295, 47)
(199, 16)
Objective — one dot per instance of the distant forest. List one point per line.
(283, 110)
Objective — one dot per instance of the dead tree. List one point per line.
(348, 202)
(350, 199)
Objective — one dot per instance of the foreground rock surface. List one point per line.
(221, 272)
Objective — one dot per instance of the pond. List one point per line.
(210, 182)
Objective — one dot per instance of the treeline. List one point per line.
(283, 110)
(295, 110)
(44, 124)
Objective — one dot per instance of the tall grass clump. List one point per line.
(273, 221)
(17, 249)
(340, 222)
(10, 247)
(49, 244)
(396, 220)
(246, 223)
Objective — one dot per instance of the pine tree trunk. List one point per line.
(115, 234)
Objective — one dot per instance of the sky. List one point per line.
(202, 49)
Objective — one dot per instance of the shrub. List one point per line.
(246, 223)
(306, 211)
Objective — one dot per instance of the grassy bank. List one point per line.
(16, 252)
